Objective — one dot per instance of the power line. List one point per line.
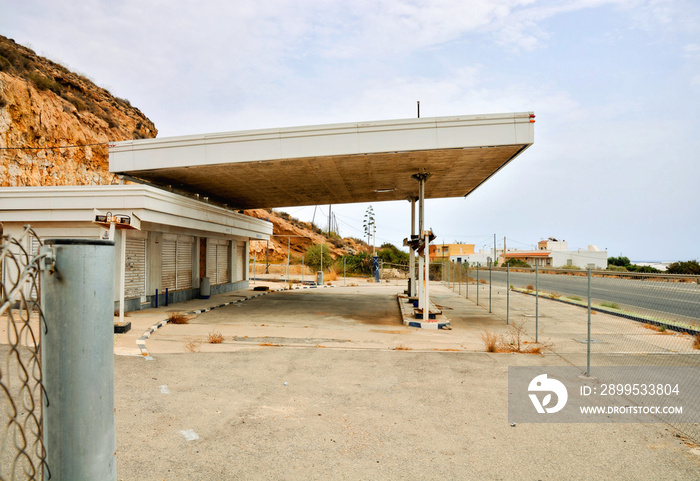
(55, 146)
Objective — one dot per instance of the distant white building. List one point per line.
(555, 254)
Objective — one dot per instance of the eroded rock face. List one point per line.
(55, 124)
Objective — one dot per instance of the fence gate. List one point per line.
(22, 453)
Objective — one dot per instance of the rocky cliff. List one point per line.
(299, 236)
(55, 124)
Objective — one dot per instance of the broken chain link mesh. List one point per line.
(22, 453)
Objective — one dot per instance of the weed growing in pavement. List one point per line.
(513, 341)
(215, 338)
(178, 318)
(574, 298)
(611, 305)
(490, 341)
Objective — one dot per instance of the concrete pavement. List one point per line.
(328, 384)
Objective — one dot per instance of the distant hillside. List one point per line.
(302, 235)
(55, 124)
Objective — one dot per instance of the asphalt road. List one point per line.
(680, 299)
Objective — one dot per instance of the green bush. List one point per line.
(619, 261)
(687, 267)
(517, 263)
(315, 253)
(392, 254)
(360, 264)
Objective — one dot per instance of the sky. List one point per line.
(615, 86)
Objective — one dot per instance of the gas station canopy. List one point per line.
(330, 164)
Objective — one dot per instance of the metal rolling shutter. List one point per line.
(221, 264)
(217, 262)
(167, 262)
(135, 280)
(211, 261)
(184, 264)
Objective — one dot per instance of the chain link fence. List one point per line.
(22, 454)
(634, 319)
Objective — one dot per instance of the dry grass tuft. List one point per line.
(513, 341)
(215, 338)
(401, 347)
(696, 341)
(178, 318)
(490, 341)
(529, 287)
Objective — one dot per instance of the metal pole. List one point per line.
(289, 242)
(588, 339)
(267, 253)
(459, 278)
(490, 283)
(477, 283)
(77, 351)
(302, 270)
(122, 273)
(466, 284)
(537, 302)
(343, 269)
(421, 207)
(411, 253)
(255, 258)
(507, 293)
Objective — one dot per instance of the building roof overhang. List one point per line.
(331, 164)
(152, 207)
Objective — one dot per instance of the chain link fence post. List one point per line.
(507, 293)
(477, 283)
(537, 303)
(588, 338)
(77, 298)
(490, 284)
(466, 284)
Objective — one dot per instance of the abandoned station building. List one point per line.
(172, 242)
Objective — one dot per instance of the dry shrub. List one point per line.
(490, 341)
(215, 338)
(554, 295)
(178, 318)
(401, 347)
(696, 341)
(529, 287)
(513, 341)
(483, 281)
